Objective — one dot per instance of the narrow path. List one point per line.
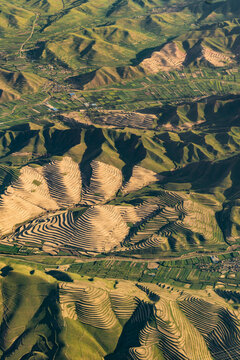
(182, 257)
(30, 36)
(37, 258)
(115, 88)
(153, 86)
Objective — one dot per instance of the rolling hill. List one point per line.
(116, 320)
(216, 46)
(14, 84)
(119, 179)
(173, 192)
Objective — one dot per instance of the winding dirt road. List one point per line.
(29, 37)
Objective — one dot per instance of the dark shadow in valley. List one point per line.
(130, 333)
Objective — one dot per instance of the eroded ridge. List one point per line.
(91, 305)
(140, 177)
(104, 183)
(64, 181)
(58, 185)
(110, 228)
(40, 189)
(100, 229)
(153, 321)
(218, 326)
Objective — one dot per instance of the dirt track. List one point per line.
(31, 34)
(32, 258)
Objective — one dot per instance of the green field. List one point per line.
(195, 273)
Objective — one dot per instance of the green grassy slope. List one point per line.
(119, 179)
(51, 49)
(30, 325)
(106, 35)
(192, 148)
(14, 84)
(103, 320)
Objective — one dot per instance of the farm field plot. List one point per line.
(191, 272)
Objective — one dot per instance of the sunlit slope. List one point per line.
(148, 322)
(140, 220)
(109, 33)
(111, 320)
(14, 16)
(14, 84)
(167, 223)
(52, 187)
(181, 188)
(30, 316)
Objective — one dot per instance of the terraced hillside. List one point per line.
(168, 221)
(104, 319)
(119, 159)
(87, 188)
(104, 228)
(154, 323)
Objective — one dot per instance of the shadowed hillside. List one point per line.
(119, 179)
(172, 189)
(126, 320)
